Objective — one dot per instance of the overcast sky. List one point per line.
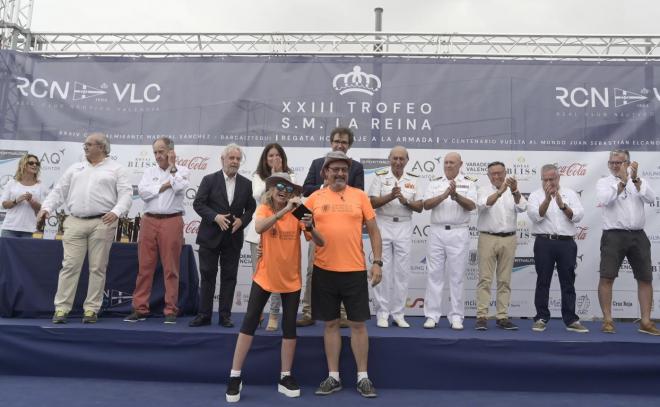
(432, 16)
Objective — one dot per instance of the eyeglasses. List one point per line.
(337, 170)
(37, 163)
(284, 187)
(342, 142)
(91, 144)
(616, 162)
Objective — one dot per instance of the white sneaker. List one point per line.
(382, 323)
(457, 326)
(429, 323)
(400, 322)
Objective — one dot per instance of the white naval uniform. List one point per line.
(448, 245)
(396, 227)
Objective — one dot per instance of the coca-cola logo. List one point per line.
(193, 163)
(191, 227)
(581, 232)
(573, 170)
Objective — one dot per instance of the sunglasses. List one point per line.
(37, 163)
(284, 187)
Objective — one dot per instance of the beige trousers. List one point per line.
(84, 236)
(496, 255)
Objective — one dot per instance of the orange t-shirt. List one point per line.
(339, 218)
(278, 269)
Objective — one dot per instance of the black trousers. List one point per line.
(547, 253)
(257, 302)
(229, 256)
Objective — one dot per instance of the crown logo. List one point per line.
(356, 81)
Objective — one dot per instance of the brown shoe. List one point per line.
(649, 329)
(273, 322)
(306, 320)
(608, 327)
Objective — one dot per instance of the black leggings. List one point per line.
(257, 302)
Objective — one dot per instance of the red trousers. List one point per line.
(162, 237)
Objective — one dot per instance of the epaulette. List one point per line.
(437, 178)
(382, 171)
(471, 178)
(412, 175)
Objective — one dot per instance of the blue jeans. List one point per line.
(14, 233)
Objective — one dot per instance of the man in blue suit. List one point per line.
(341, 139)
(225, 203)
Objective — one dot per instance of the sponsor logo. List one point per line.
(651, 174)
(414, 302)
(196, 163)
(356, 81)
(372, 165)
(113, 298)
(655, 204)
(572, 170)
(521, 169)
(594, 97)
(523, 233)
(132, 93)
(8, 155)
(475, 167)
(52, 161)
(581, 233)
(521, 263)
(143, 160)
(191, 228)
(427, 168)
(583, 304)
(474, 232)
(473, 258)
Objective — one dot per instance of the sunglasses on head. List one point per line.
(284, 187)
(37, 163)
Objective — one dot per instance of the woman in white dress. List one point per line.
(22, 198)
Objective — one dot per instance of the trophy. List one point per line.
(39, 233)
(127, 230)
(61, 217)
(136, 228)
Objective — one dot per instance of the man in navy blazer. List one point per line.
(341, 139)
(225, 203)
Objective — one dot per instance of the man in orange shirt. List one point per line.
(340, 269)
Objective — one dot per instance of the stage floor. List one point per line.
(415, 358)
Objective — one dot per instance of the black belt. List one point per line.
(163, 215)
(624, 230)
(90, 217)
(500, 234)
(553, 237)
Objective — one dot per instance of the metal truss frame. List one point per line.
(15, 20)
(489, 46)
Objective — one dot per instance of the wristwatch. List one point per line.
(173, 170)
(379, 262)
(563, 208)
(635, 180)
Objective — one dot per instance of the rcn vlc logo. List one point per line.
(356, 81)
(594, 97)
(76, 91)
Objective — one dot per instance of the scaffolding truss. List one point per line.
(490, 46)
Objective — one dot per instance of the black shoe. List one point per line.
(135, 317)
(226, 322)
(288, 387)
(366, 388)
(505, 323)
(234, 388)
(328, 386)
(170, 319)
(481, 324)
(200, 320)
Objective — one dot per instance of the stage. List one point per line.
(438, 359)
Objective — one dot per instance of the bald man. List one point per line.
(395, 196)
(451, 200)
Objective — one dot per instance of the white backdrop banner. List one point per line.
(523, 113)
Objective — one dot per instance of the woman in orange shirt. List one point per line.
(278, 271)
